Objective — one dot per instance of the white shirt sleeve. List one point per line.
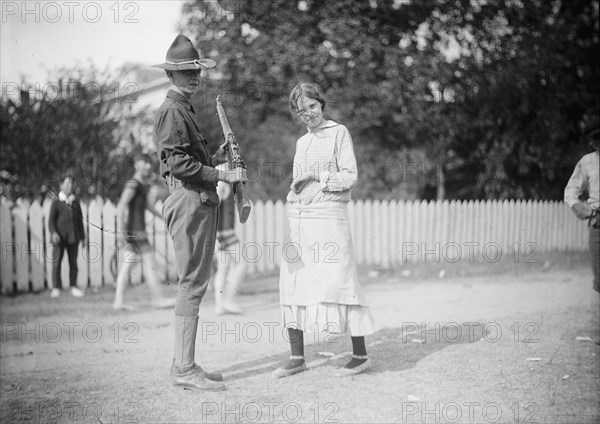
(576, 185)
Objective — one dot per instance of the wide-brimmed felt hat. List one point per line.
(182, 55)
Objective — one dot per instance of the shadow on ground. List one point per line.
(390, 349)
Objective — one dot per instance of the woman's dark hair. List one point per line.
(308, 90)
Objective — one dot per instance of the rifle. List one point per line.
(594, 219)
(234, 161)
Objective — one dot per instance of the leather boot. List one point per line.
(184, 372)
(214, 376)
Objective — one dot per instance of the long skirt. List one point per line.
(318, 284)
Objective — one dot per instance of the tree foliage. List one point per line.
(73, 125)
(469, 99)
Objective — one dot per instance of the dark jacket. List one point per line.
(67, 221)
(182, 149)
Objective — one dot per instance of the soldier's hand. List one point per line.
(233, 175)
(582, 210)
(220, 155)
(55, 238)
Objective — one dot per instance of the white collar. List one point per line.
(64, 198)
(326, 124)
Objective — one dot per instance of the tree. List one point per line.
(532, 75)
(491, 93)
(74, 126)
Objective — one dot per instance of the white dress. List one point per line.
(319, 286)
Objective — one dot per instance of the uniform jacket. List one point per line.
(182, 149)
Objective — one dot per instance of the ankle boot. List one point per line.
(214, 376)
(184, 372)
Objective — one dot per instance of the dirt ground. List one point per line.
(474, 343)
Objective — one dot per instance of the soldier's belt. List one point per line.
(174, 184)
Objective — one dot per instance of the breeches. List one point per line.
(192, 225)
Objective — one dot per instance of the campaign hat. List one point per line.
(182, 55)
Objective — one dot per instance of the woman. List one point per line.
(319, 287)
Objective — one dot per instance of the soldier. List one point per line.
(585, 180)
(190, 211)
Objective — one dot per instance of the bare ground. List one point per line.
(485, 343)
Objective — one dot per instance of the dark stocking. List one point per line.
(297, 347)
(359, 352)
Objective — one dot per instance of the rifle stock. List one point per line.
(234, 161)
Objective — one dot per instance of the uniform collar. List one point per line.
(175, 94)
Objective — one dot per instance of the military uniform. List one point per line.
(190, 211)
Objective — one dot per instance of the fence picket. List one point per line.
(392, 232)
(22, 264)
(440, 224)
(375, 232)
(430, 250)
(36, 246)
(83, 265)
(555, 236)
(408, 250)
(48, 259)
(368, 232)
(455, 212)
(385, 234)
(527, 237)
(384, 231)
(359, 240)
(486, 236)
(541, 224)
(401, 232)
(469, 229)
(512, 230)
(480, 226)
(415, 232)
(280, 228)
(7, 248)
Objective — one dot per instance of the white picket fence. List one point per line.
(386, 234)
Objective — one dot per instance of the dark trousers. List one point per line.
(192, 225)
(595, 255)
(57, 256)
